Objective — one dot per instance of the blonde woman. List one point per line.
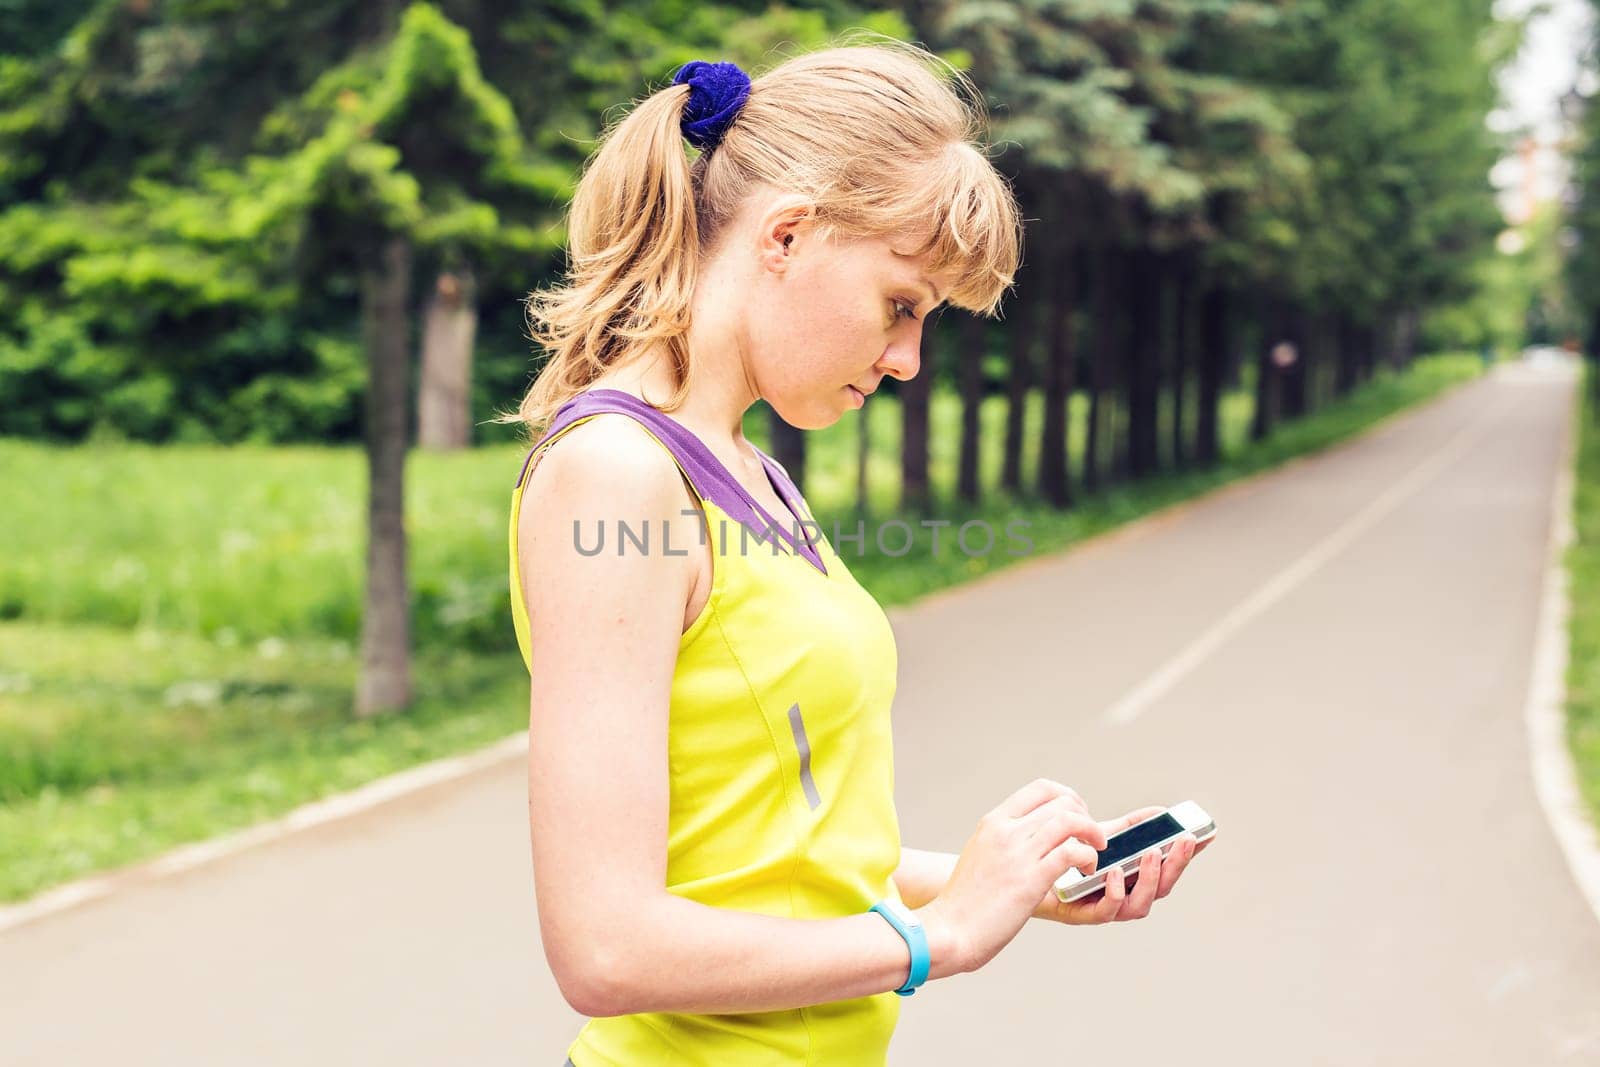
(717, 861)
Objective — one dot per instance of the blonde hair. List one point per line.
(870, 133)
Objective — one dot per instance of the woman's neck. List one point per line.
(722, 388)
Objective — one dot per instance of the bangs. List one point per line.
(971, 227)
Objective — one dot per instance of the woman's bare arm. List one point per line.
(604, 632)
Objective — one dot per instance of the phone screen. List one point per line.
(1137, 838)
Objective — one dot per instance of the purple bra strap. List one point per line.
(786, 488)
(710, 478)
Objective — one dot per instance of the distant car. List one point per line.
(1546, 355)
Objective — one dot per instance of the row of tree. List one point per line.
(1303, 183)
(223, 219)
(1583, 220)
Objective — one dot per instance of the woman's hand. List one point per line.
(1116, 903)
(1018, 850)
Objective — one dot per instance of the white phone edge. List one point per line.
(1192, 817)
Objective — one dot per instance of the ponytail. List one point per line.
(633, 255)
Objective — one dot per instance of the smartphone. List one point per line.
(1126, 848)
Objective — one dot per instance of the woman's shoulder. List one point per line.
(608, 468)
(607, 448)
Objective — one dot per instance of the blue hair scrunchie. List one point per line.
(716, 93)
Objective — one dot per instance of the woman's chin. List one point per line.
(824, 420)
(819, 416)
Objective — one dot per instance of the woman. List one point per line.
(717, 861)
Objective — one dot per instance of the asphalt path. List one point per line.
(1332, 658)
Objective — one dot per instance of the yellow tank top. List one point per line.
(779, 755)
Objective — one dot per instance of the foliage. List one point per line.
(179, 243)
(1388, 100)
(1583, 568)
(1583, 222)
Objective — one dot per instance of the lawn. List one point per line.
(1583, 567)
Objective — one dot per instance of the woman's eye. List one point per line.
(908, 310)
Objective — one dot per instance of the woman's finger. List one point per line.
(1056, 807)
(1115, 894)
(1173, 865)
(1144, 891)
(1035, 793)
(1052, 824)
(1132, 818)
(1071, 853)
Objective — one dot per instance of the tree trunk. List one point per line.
(789, 447)
(1322, 346)
(1214, 343)
(444, 397)
(1266, 406)
(1401, 331)
(385, 682)
(1406, 341)
(969, 358)
(1055, 482)
(1294, 382)
(1118, 419)
(1594, 360)
(863, 457)
(1348, 339)
(1018, 382)
(914, 399)
(1100, 364)
(1233, 357)
(1144, 371)
(1182, 343)
(1366, 353)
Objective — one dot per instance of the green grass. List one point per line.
(114, 746)
(251, 541)
(1583, 568)
(176, 624)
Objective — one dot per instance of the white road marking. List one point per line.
(1286, 581)
(1517, 978)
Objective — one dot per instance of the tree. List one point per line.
(402, 150)
(1117, 135)
(915, 491)
(1583, 264)
(971, 349)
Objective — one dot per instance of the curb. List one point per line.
(1555, 777)
(315, 813)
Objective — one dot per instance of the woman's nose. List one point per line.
(902, 359)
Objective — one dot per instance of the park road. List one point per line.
(1332, 658)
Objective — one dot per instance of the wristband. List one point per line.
(908, 926)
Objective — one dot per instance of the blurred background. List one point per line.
(262, 265)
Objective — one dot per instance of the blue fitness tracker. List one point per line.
(908, 926)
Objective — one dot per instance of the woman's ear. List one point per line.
(786, 227)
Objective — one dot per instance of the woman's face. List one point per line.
(832, 314)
